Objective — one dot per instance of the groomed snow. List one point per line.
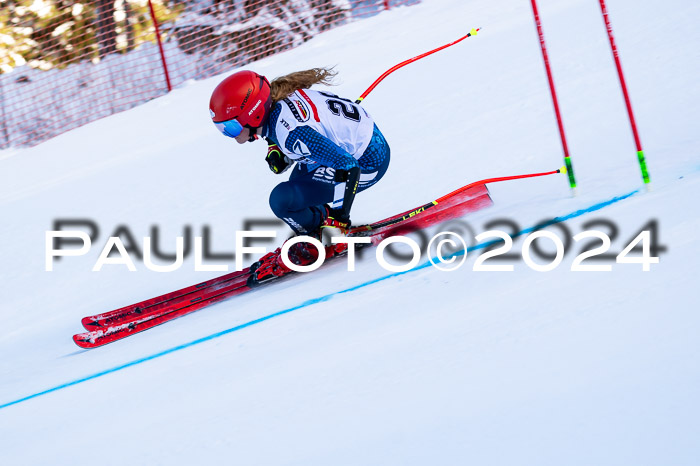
(427, 367)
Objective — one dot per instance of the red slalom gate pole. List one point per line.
(473, 32)
(567, 159)
(160, 45)
(633, 124)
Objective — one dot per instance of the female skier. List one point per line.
(338, 147)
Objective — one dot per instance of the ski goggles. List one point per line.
(230, 128)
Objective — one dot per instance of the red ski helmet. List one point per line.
(241, 100)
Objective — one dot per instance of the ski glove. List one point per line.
(276, 160)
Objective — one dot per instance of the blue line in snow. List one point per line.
(307, 303)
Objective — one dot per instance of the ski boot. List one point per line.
(271, 266)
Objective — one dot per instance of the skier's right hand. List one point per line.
(338, 219)
(276, 160)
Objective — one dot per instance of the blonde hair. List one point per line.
(284, 85)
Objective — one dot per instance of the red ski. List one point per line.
(143, 308)
(101, 337)
(123, 322)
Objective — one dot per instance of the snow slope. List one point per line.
(370, 367)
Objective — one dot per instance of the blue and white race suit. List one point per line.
(323, 133)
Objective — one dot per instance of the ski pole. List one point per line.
(496, 180)
(414, 212)
(411, 60)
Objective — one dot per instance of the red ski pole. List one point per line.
(363, 228)
(411, 60)
(495, 180)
